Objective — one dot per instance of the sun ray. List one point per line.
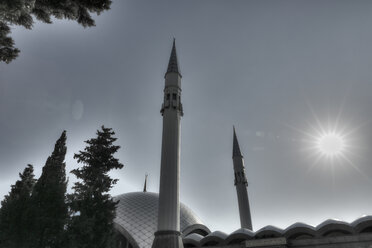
(311, 167)
(333, 175)
(318, 122)
(330, 140)
(298, 130)
(357, 169)
(354, 129)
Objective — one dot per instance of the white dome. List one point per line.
(137, 216)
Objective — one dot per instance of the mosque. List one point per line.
(146, 219)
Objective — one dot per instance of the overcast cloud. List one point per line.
(274, 69)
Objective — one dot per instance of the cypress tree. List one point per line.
(92, 207)
(14, 221)
(49, 206)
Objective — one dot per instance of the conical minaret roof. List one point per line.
(236, 148)
(173, 61)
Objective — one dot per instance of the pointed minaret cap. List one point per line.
(145, 185)
(173, 62)
(236, 148)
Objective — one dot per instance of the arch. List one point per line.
(298, 236)
(363, 225)
(300, 231)
(336, 233)
(213, 239)
(332, 228)
(366, 230)
(269, 232)
(239, 236)
(192, 240)
(196, 228)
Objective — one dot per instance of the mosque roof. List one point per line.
(297, 231)
(137, 215)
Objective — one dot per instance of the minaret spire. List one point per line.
(168, 231)
(145, 185)
(173, 61)
(241, 185)
(236, 148)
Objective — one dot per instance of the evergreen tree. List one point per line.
(93, 209)
(49, 206)
(14, 221)
(21, 12)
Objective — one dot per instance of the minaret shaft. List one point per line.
(169, 206)
(242, 193)
(241, 186)
(168, 234)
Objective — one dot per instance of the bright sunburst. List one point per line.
(328, 141)
(331, 144)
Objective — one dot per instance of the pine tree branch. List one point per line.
(21, 13)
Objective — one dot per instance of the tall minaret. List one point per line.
(241, 186)
(168, 234)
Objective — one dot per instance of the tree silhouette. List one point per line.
(93, 209)
(21, 13)
(14, 222)
(49, 212)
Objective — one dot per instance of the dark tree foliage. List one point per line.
(93, 209)
(21, 13)
(14, 222)
(49, 207)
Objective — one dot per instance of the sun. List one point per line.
(331, 144)
(330, 141)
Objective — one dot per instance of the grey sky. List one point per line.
(272, 68)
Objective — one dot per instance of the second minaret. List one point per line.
(241, 185)
(168, 233)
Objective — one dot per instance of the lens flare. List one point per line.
(331, 144)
